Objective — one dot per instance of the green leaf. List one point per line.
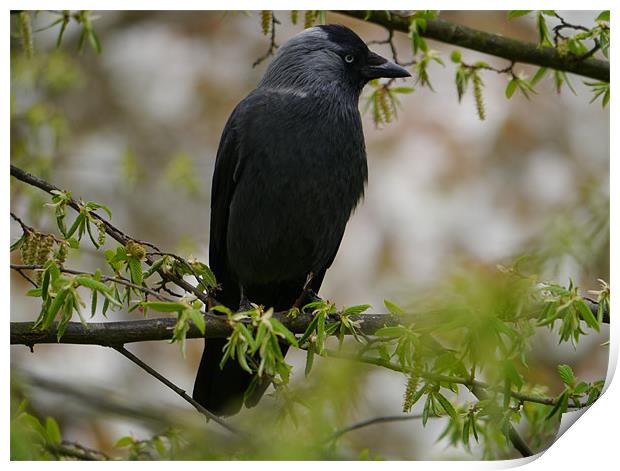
(355, 310)
(309, 330)
(403, 89)
(93, 304)
(52, 431)
(560, 405)
(320, 333)
(393, 308)
(53, 269)
(65, 22)
(164, 306)
(18, 243)
(391, 331)
(223, 309)
(465, 436)
(79, 220)
(540, 73)
(543, 30)
(586, 314)
(198, 319)
(427, 409)
(472, 419)
(511, 87)
(309, 360)
(446, 405)
(159, 446)
(206, 274)
(516, 13)
(567, 375)
(93, 284)
(65, 317)
(581, 388)
(279, 328)
(50, 315)
(124, 441)
(603, 16)
(94, 41)
(135, 270)
(45, 283)
(512, 374)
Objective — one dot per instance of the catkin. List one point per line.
(309, 18)
(265, 20)
(28, 249)
(101, 232)
(26, 33)
(410, 390)
(385, 107)
(478, 96)
(135, 250)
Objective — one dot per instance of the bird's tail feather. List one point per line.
(221, 390)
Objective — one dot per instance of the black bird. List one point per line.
(290, 169)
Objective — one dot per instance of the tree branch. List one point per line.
(109, 334)
(493, 44)
(516, 439)
(130, 356)
(376, 420)
(468, 382)
(114, 279)
(112, 231)
(77, 451)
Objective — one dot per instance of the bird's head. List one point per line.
(327, 57)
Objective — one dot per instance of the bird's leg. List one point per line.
(307, 294)
(244, 302)
(211, 301)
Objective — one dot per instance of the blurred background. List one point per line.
(137, 127)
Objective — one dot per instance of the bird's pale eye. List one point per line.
(349, 58)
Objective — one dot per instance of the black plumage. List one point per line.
(290, 169)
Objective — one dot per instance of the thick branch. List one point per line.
(119, 333)
(493, 44)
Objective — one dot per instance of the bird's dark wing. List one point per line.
(227, 169)
(221, 390)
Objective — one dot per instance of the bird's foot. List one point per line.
(307, 294)
(245, 305)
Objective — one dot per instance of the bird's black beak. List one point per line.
(379, 67)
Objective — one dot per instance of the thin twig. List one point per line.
(390, 42)
(111, 230)
(75, 450)
(272, 42)
(25, 227)
(20, 271)
(470, 383)
(130, 356)
(376, 420)
(118, 280)
(516, 439)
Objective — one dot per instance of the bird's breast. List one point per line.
(299, 184)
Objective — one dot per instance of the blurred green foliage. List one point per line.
(462, 346)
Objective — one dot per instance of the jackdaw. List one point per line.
(290, 169)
